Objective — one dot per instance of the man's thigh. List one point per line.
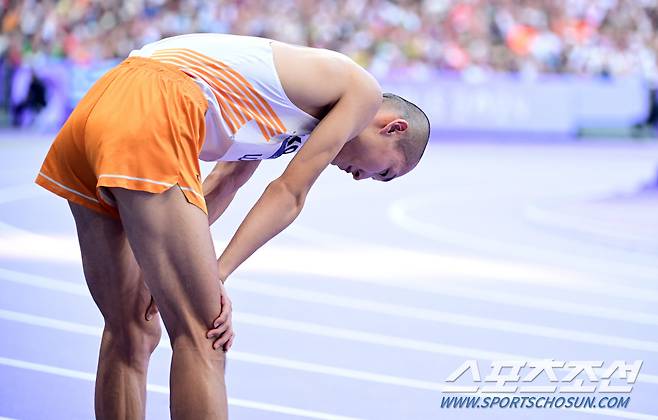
(171, 241)
(111, 271)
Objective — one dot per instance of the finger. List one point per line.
(151, 310)
(224, 315)
(223, 339)
(222, 318)
(212, 334)
(218, 331)
(228, 345)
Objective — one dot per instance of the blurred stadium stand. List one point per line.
(563, 66)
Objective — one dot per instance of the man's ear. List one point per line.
(395, 125)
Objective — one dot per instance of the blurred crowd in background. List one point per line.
(404, 38)
(581, 36)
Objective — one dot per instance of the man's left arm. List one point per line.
(283, 199)
(222, 183)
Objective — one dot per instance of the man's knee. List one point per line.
(190, 333)
(134, 340)
(198, 349)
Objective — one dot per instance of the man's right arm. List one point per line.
(283, 199)
(223, 182)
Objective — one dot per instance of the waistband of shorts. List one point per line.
(170, 71)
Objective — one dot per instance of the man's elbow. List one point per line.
(292, 192)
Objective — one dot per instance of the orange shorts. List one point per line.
(140, 127)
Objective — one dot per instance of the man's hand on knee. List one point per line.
(222, 334)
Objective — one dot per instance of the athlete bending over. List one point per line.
(127, 160)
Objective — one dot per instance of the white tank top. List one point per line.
(249, 116)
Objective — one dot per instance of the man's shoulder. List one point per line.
(316, 78)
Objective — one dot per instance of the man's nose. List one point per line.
(359, 175)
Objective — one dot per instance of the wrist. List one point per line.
(223, 275)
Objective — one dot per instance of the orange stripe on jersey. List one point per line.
(265, 121)
(237, 102)
(265, 112)
(240, 104)
(230, 111)
(246, 83)
(224, 102)
(250, 96)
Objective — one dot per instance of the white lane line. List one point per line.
(390, 341)
(43, 282)
(316, 329)
(160, 389)
(385, 263)
(17, 244)
(486, 294)
(67, 249)
(367, 265)
(421, 269)
(235, 355)
(21, 192)
(336, 371)
(442, 316)
(55, 324)
(534, 302)
(452, 318)
(587, 226)
(374, 264)
(478, 293)
(398, 213)
(273, 361)
(443, 288)
(257, 405)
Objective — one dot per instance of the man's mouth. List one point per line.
(349, 169)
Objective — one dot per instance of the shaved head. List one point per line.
(414, 141)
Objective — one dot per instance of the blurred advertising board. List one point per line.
(508, 103)
(496, 102)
